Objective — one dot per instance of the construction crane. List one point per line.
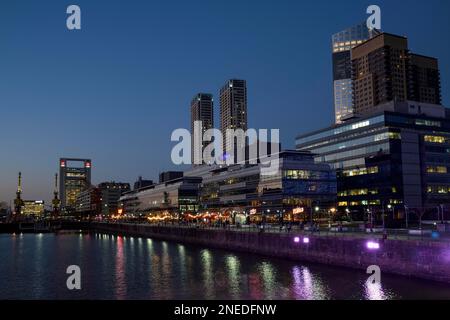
(18, 202)
(56, 202)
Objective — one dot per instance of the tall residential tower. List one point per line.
(202, 109)
(384, 70)
(233, 109)
(342, 43)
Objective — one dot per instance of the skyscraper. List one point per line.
(380, 72)
(383, 70)
(73, 180)
(342, 43)
(233, 109)
(425, 80)
(202, 109)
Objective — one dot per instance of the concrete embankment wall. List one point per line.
(421, 259)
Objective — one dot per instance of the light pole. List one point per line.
(331, 212)
(389, 206)
(369, 214)
(316, 210)
(406, 215)
(347, 213)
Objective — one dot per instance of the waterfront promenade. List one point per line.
(413, 256)
(414, 234)
(423, 255)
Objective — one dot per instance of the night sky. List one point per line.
(115, 90)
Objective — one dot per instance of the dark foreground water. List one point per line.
(115, 267)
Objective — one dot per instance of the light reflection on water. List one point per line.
(375, 291)
(117, 267)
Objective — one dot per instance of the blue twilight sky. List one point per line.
(115, 90)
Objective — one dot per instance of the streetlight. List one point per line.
(331, 212)
(406, 215)
(369, 212)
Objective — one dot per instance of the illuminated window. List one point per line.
(434, 139)
(437, 169)
(394, 135)
(438, 189)
(358, 192)
(442, 190)
(428, 123)
(359, 172)
(297, 174)
(342, 204)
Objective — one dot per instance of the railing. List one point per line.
(374, 233)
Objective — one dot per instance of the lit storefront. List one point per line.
(171, 200)
(242, 193)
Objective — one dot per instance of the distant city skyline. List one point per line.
(115, 90)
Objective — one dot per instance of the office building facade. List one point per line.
(33, 208)
(289, 195)
(398, 158)
(240, 190)
(110, 193)
(73, 180)
(174, 197)
(170, 175)
(141, 183)
(88, 202)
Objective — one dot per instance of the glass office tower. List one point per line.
(73, 180)
(391, 159)
(342, 43)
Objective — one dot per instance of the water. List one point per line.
(115, 267)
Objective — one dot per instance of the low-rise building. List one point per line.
(178, 196)
(290, 193)
(34, 208)
(88, 202)
(110, 193)
(141, 183)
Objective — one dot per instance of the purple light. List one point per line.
(306, 240)
(373, 245)
(296, 239)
